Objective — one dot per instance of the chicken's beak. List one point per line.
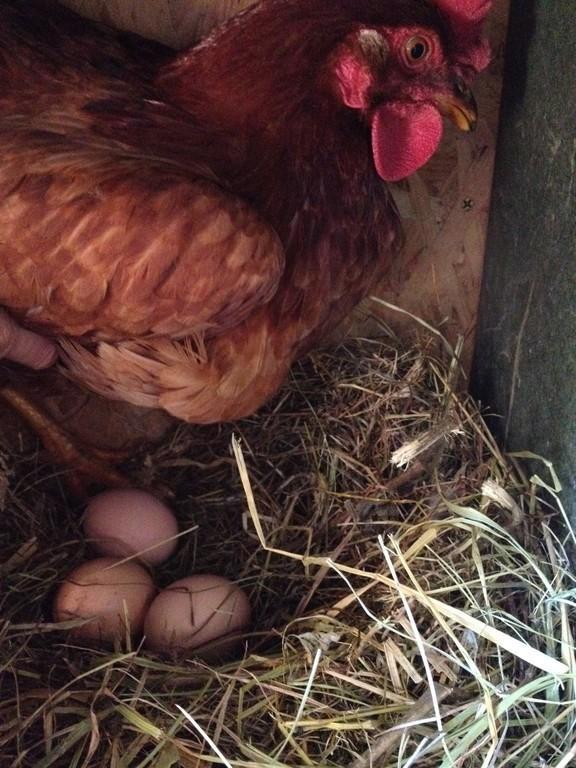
(459, 106)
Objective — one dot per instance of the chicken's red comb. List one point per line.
(464, 14)
(466, 17)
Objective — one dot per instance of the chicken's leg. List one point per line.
(88, 465)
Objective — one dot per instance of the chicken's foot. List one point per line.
(89, 465)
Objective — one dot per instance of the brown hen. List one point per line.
(187, 225)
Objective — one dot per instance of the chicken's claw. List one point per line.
(88, 465)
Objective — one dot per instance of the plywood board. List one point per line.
(445, 211)
(177, 23)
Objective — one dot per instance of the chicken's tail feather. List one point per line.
(198, 381)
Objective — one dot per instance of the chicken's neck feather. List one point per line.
(292, 147)
(294, 152)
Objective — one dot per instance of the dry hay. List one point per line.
(413, 602)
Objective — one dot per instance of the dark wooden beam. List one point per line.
(525, 360)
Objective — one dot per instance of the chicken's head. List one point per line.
(288, 74)
(404, 78)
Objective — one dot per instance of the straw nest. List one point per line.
(413, 604)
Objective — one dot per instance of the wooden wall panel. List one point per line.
(177, 23)
(445, 211)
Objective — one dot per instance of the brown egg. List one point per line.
(195, 611)
(130, 522)
(115, 598)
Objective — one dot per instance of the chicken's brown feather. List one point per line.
(191, 232)
(115, 228)
(239, 371)
(111, 246)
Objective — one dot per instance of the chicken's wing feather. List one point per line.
(104, 245)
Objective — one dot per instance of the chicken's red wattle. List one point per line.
(404, 138)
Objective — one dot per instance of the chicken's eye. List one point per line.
(416, 50)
